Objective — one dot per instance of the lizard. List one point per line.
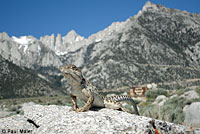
(88, 93)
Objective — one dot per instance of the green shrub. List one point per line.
(11, 114)
(39, 101)
(198, 90)
(59, 102)
(137, 101)
(150, 111)
(172, 111)
(152, 94)
(182, 91)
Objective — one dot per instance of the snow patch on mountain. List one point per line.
(60, 53)
(79, 38)
(22, 40)
(98, 40)
(72, 37)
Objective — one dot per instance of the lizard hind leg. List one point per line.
(125, 110)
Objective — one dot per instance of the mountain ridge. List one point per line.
(122, 54)
(17, 82)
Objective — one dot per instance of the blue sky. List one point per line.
(44, 17)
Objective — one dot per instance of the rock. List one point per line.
(59, 119)
(4, 36)
(173, 96)
(59, 40)
(125, 93)
(149, 86)
(189, 95)
(49, 41)
(192, 114)
(4, 114)
(154, 86)
(160, 100)
(27, 104)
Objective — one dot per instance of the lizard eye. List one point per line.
(73, 67)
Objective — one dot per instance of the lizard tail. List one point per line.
(119, 98)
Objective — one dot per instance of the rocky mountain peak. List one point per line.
(72, 37)
(59, 40)
(72, 33)
(150, 6)
(4, 36)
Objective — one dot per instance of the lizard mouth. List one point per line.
(70, 75)
(64, 72)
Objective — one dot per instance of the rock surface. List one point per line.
(160, 100)
(189, 95)
(192, 114)
(4, 113)
(60, 120)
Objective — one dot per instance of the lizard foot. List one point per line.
(124, 109)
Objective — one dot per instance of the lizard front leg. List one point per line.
(74, 102)
(89, 102)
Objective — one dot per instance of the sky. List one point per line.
(86, 17)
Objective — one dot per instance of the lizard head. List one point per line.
(71, 73)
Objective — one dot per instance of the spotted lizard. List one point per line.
(85, 91)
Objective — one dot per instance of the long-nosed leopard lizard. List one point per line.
(85, 91)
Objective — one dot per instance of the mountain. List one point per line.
(28, 52)
(22, 82)
(159, 45)
(69, 48)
